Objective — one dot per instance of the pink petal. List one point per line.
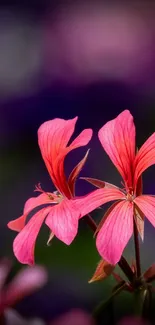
(95, 199)
(63, 221)
(53, 137)
(146, 204)
(19, 223)
(82, 139)
(118, 140)
(115, 232)
(24, 243)
(75, 172)
(25, 283)
(145, 157)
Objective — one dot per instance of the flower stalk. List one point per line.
(137, 251)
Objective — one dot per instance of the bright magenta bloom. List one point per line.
(61, 214)
(118, 140)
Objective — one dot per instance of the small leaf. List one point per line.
(103, 270)
(139, 219)
(127, 286)
(117, 277)
(98, 183)
(150, 273)
(133, 266)
(75, 172)
(50, 238)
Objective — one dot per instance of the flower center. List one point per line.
(130, 196)
(55, 196)
(58, 196)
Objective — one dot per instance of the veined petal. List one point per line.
(115, 232)
(145, 157)
(106, 215)
(118, 140)
(19, 223)
(24, 243)
(139, 220)
(75, 172)
(95, 199)
(146, 204)
(82, 139)
(53, 137)
(63, 221)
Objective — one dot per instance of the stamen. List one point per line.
(50, 196)
(39, 189)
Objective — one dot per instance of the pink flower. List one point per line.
(62, 210)
(118, 140)
(133, 321)
(24, 283)
(11, 317)
(74, 317)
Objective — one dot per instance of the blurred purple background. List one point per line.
(62, 59)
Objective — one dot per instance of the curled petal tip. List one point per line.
(103, 270)
(50, 238)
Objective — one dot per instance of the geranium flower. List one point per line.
(118, 140)
(61, 216)
(63, 209)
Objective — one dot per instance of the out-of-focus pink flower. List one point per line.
(118, 140)
(97, 41)
(133, 321)
(74, 317)
(24, 283)
(11, 317)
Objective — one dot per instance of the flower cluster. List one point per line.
(62, 209)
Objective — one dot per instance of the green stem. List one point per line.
(123, 264)
(147, 303)
(137, 251)
(104, 303)
(90, 222)
(143, 302)
(125, 267)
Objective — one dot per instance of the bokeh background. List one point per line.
(66, 59)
